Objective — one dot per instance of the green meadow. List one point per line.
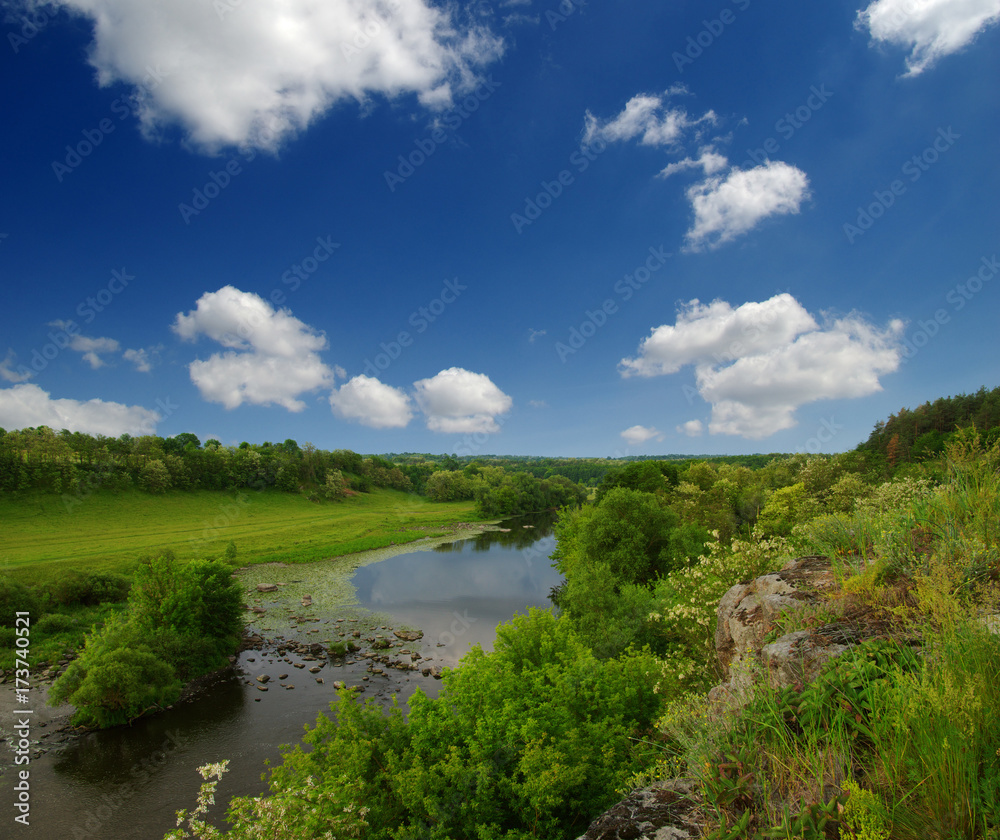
(42, 534)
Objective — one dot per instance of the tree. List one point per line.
(630, 532)
(154, 477)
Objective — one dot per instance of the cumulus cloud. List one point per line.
(254, 72)
(370, 402)
(458, 401)
(930, 29)
(726, 207)
(635, 435)
(757, 363)
(725, 204)
(7, 372)
(693, 428)
(648, 117)
(28, 405)
(273, 357)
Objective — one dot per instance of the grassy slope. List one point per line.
(39, 535)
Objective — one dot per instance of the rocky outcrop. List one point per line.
(664, 811)
(748, 613)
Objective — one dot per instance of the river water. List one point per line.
(129, 782)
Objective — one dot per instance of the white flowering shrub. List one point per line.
(687, 601)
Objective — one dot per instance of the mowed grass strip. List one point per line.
(40, 533)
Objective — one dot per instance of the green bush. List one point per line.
(56, 623)
(89, 589)
(180, 621)
(16, 597)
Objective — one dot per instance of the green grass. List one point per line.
(41, 536)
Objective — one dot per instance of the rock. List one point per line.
(797, 658)
(664, 811)
(315, 669)
(267, 587)
(749, 611)
(307, 600)
(408, 635)
(262, 688)
(282, 676)
(263, 678)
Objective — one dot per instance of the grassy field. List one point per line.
(40, 535)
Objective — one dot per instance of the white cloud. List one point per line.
(693, 428)
(90, 348)
(273, 356)
(636, 435)
(28, 405)
(458, 401)
(254, 72)
(758, 363)
(708, 160)
(725, 208)
(716, 333)
(7, 372)
(648, 117)
(144, 358)
(725, 205)
(372, 403)
(930, 29)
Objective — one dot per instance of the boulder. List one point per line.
(664, 811)
(267, 587)
(749, 611)
(408, 635)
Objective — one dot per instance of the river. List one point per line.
(130, 781)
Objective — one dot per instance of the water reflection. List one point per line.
(460, 592)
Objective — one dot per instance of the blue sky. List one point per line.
(550, 228)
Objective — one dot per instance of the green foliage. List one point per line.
(786, 507)
(528, 741)
(630, 532)
(180, 621)
(154, 477)
(15, 597)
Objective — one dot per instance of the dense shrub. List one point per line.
(180, 621)
(15, 597)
